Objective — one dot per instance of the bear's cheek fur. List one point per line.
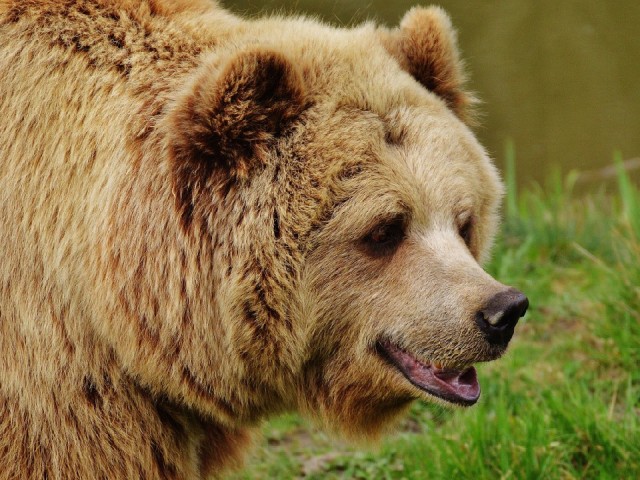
(346, 384)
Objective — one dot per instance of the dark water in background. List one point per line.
(560, 78)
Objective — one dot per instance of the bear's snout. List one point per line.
(498, 318)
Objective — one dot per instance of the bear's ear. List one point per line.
(229, 116)
(425, 45)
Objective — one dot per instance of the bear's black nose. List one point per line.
(501, 313)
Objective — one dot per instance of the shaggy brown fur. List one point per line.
(186, 208)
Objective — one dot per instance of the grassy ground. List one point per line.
(565, 401)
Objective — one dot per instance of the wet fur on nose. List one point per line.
(497, 320)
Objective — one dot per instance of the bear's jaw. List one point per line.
(455, 385)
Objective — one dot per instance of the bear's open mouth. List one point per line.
(459, 386)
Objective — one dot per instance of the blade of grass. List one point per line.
(510, 179)
(628, 194)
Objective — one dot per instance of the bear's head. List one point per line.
(348, 208)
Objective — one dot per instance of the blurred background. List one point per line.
(560, 79)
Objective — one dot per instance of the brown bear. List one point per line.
(207, 220)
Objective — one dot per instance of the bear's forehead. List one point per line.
(433, 170)
(443, 166)
(451, 170)
(433, 159)
(423, 150)
(349, 66)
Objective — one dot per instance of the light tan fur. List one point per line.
(183, 198)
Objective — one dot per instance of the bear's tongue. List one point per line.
(457, 386)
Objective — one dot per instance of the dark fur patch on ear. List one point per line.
(425, 45)
(228, 118)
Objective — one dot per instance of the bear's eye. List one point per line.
(466, 230)
(385, 237)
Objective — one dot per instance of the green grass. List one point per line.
(564, 403)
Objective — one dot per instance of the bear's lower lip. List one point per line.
(456, 386)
